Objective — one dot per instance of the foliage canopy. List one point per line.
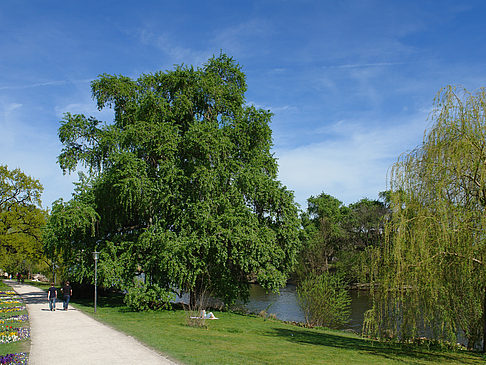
(21, 219)
(335, 235)
(324, 299)
(182, 186)
(323, 233)
(431, 269)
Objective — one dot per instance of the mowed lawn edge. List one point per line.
(236, 338)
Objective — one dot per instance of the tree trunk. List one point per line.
(195, 294)
(192, 299)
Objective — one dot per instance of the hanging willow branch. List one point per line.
(438, 201)
(448, 254)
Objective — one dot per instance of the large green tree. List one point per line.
(365, 229)
(322, 292)
(181, 186)
(365, 223)
(431, 270)
(69, 234)
(21, 219)
(323, 235)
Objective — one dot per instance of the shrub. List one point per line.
(324, 300)
(142, 297)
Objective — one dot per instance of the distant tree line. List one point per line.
(335, 236)
(336, 241)
(21, 220)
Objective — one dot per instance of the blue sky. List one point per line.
(350, 83)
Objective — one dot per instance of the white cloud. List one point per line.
(274, 109)
(367, 65)
(10, 108)
(239, 39)
(36, 84)
(88, 109)
(7, 125)
(34, 150)
(171, 46)
(353, 164)
(84, 105)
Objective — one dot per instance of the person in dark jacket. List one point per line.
(66, 292)
(51, 297)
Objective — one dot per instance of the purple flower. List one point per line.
(14, 359)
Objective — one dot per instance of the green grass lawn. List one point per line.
(13, 347)
(246, 339)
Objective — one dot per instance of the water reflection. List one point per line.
(286, 306)
(360, 303)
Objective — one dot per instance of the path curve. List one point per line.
(73, 337)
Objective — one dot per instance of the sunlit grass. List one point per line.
(237, 339)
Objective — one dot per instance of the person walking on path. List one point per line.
(84, 341)
(51, 297)
(67, 292)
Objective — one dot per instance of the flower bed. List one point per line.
(7, 298)
(21, 318)
(12, 309)
(10, 306)
(12, 334)
(14, 359)
(10, 301)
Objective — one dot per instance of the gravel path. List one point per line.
(74, 338)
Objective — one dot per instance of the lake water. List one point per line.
(286, 307)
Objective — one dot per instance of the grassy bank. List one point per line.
(237, 339)
(7, 303)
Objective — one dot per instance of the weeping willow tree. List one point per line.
(431, 268)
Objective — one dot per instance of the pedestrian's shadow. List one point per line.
(34, 298)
